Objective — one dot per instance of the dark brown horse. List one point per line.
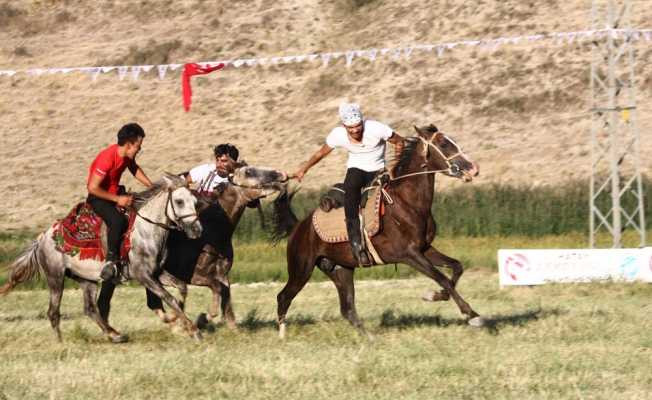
(408, 229)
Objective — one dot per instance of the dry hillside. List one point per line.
(521, 111)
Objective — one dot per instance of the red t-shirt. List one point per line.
(110, 166)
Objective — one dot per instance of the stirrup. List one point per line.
(109, 271)
(365, 254)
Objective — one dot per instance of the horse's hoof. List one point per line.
(201, 321)
(197, 336)
(119, 338)
(477, 322)
(281, 331)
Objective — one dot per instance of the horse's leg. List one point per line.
(104, 300)
(343, 280)
(55, 281)
(91, 310)
(299, 272)
(155, 304)
(157, 289)
(437, 258)
(223, 295)
(423, 265)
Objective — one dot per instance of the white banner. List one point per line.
(537, 267)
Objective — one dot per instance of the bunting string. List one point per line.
(325, 59)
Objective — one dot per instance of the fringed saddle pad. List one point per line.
(80, 233)
(331, 226)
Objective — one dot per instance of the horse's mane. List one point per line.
(406, 155)
(141, 198)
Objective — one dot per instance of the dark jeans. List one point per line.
(355, 180)
(116, 224)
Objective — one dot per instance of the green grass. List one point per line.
(546, 342)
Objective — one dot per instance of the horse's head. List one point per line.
(442, 153)
(268, 180)
(181, 207)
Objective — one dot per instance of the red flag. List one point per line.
(189, 70)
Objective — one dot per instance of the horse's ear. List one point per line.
(419, 131)
(174, 179)
(432, 128)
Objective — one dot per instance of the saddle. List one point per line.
(330, 224)
(83, 233)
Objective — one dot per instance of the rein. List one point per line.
(452, 168)
(175, 226)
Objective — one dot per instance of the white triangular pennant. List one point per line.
(251, 62)
(471, 42)
(262, 61)
(647, 35)
(288, 59)
(162, 69)
(238, 63)
(300, 58)
(313, 57)
(408, 51)
(174, 67)
(275, 60)
(146, 68)
(349, 58)
(122, 71)
(440, 51)
(95, 72)
(135, 71)
(107, 69)
(383, 52)
(325, 59)
(371, 54)
(8, 72)
(396, 53)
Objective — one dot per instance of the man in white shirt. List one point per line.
(208, 176)
(365, 142)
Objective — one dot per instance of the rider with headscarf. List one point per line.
(364, 139)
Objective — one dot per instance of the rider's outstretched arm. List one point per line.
(319, 154)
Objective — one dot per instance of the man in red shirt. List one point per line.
(103, 189)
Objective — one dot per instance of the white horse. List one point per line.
(167, 205)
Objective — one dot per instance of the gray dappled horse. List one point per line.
(168, 204)
(207, 261)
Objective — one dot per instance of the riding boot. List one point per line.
(355, 239)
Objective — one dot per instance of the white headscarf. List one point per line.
(350, 114)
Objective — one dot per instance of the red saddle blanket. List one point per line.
(80, 233)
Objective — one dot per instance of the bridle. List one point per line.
(451, 168)
(175, 221)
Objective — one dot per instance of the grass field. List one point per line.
(558, 341)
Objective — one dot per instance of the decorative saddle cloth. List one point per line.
(331, 225)
(82, 233)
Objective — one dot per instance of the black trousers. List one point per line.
(116, 224)
(355, 180)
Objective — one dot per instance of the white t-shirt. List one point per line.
(206, 176)
(370, 154)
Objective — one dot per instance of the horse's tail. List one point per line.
(25, 268)
(283, 220)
